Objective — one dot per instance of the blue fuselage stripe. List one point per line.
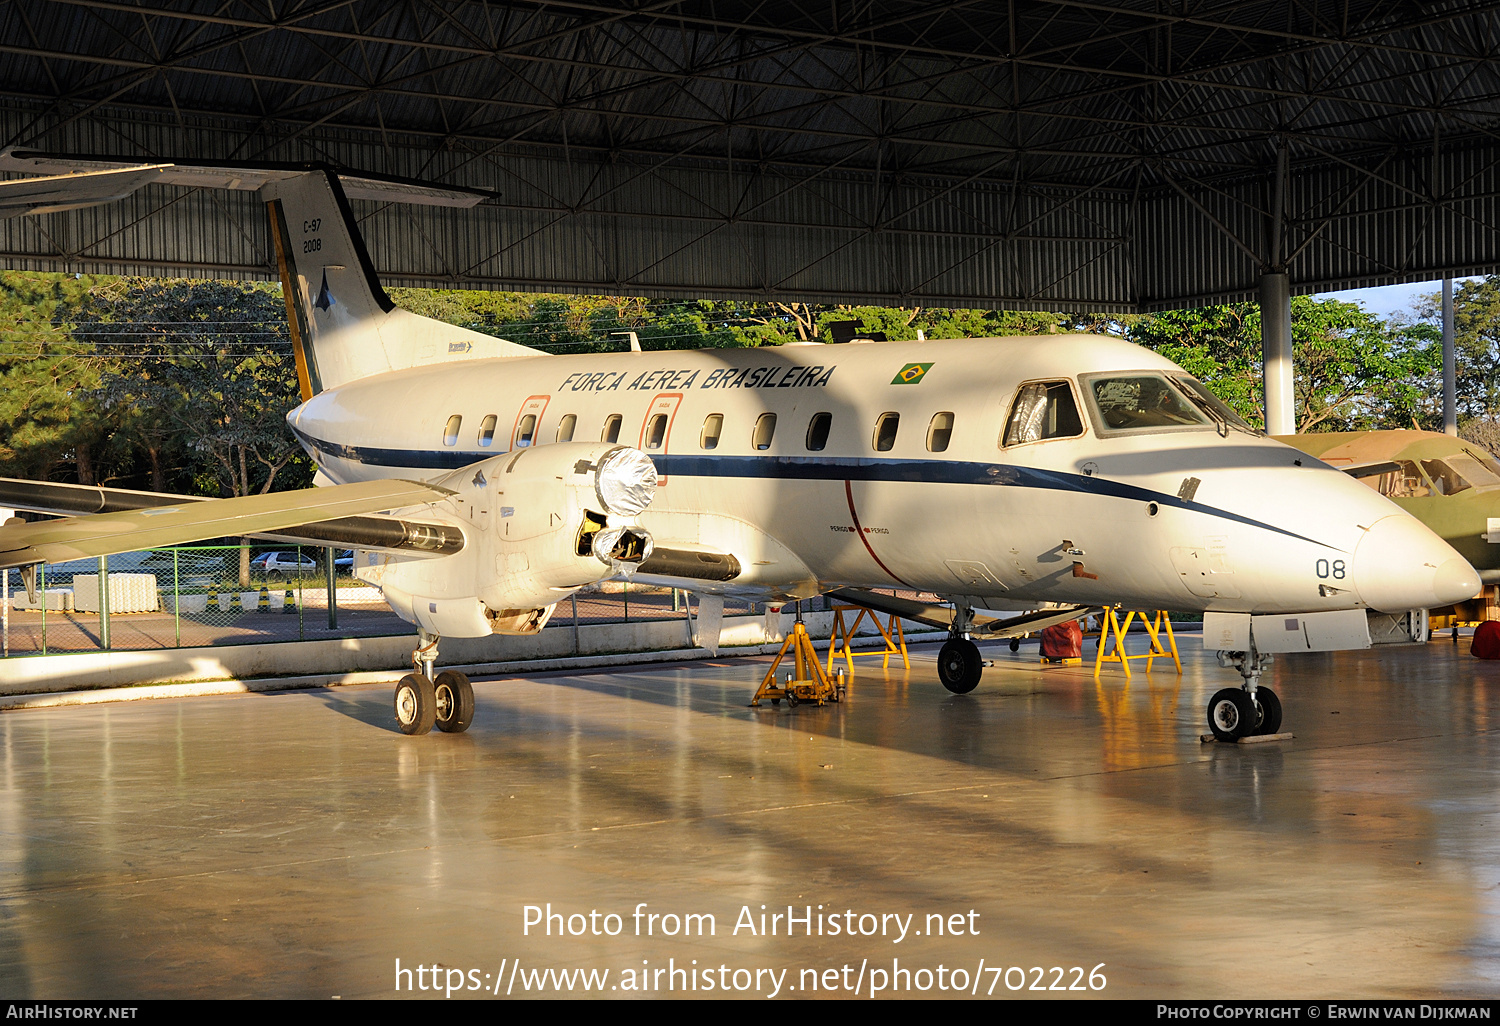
(823, 468)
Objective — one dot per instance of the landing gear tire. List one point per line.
(416, 704)
(959, 665)
(1270, 711)
(454, 706)
(1232, 714)
(1015, 644)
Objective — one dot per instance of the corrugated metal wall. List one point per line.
(684, 230)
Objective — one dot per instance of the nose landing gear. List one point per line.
(422, 703)
(1248, 710)
(959, 663)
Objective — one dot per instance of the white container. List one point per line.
(57, 600)
(128, 593)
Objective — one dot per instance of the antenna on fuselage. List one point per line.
(635, 342)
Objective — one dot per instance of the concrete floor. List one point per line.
(295, 845)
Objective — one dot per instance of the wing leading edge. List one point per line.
(114, 530)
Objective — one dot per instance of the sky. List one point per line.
(1388, 299)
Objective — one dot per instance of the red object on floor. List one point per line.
(1065, 641)
(1486, 643)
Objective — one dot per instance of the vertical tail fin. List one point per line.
(343, 324)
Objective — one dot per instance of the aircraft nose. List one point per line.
(1399, 565)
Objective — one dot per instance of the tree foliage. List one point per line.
(1353, 370)
(185, 386)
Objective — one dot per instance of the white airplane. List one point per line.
(1059, 474)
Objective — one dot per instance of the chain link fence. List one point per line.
(195, 596)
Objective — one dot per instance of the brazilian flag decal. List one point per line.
(911, 374)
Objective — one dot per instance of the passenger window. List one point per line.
(525, 431)
(611, 432)
(1043, 409)
(765, 428)
(817, 431)
(1445, 480)
(487, 430)
(565, 428)
(450, 433)
(656, 431)
(885, 431)
(713, 426)
(939, 431)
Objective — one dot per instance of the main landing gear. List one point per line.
(959, 664)
(1248, 710)
(423, 703)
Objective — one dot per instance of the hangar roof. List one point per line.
(1110, 154)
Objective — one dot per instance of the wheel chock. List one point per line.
(1253, 739)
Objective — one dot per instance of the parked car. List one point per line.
(278, 566)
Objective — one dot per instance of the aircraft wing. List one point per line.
(395, 534)
(189, 520)
(936, 615)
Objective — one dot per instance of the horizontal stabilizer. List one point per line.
(937, 615)
(104, 534)
(57, 193)
(83, 181)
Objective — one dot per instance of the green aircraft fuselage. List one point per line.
(1450, 485)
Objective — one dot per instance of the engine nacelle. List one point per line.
(539, 524)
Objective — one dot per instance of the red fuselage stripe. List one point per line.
(859, 530)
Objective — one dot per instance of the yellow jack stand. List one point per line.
(893, 646)
(810, 684)
(1113, 627)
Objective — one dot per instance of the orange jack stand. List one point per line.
(810, 684)
(1113, 628)
(893, 645)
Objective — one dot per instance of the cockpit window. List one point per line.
(1216, 408)
(1043, 409)
(1141, 402)
(1446, 478)
(1479, 474)
(1485, 459)
(1402, 481)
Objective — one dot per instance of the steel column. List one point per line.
(1450, 374)
(1276, 353)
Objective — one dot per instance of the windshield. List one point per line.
(1141, 402)
(1484, 474)
(1216, 408)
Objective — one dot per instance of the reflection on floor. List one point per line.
(296, 845)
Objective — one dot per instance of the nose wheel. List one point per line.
(1245, 711)
(959, 665)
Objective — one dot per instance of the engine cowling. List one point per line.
(539, 524)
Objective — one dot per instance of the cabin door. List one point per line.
(527, 430)
(656, 429)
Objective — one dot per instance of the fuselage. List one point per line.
(932, 466)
